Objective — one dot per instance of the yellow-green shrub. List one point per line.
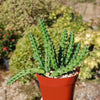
(92, 61)
(21, 14)
(22, 56)
(68, 18)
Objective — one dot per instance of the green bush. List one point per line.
(21, 14)
(63, 19)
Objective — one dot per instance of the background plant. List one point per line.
(24, 13)
(90, 65)
(69, 19)
(8, 40)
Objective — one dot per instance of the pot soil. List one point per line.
(57, 88)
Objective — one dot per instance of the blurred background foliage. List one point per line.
(23, 16)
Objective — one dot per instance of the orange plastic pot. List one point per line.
(57, 89)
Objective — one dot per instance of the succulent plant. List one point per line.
(59, 64)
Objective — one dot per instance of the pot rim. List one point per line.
(61, 78)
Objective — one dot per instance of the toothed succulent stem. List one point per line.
(81, 56)
(37, 54)
(24, 73)
(50, 54)
(70, 48)
(75, 52)
(71, 66)
(62, 48)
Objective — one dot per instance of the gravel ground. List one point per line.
(17, 91)
(90, 13)
(89, 90)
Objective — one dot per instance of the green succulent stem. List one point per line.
(75, 52)
(50, 54)
(24, 73)
(70, 48)
(37, 54)
(62, 48)
(71, 66)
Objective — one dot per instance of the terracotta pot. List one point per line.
(57, 89)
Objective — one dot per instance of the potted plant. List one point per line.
(56, 74)
(8, 40)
